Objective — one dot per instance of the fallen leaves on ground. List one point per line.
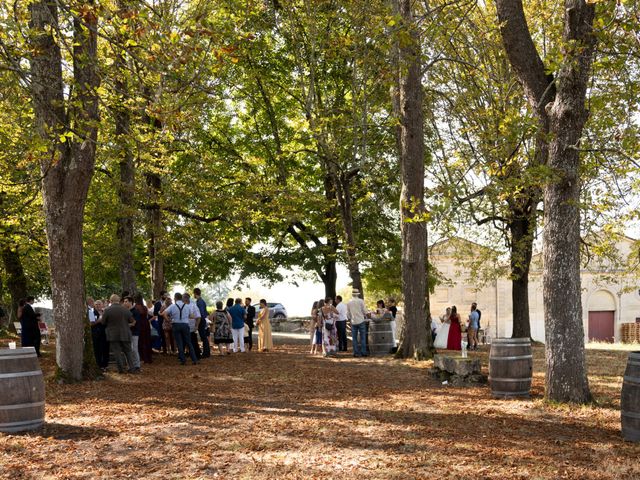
(287, 414)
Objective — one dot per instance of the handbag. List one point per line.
(328, 325)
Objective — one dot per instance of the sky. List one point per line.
(296, 298)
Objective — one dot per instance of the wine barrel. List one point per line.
(510, 367)
(21, 390)
(380, 341)
(630, 399)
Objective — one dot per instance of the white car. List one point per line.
(276, 310)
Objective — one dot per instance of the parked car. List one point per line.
(276, 310)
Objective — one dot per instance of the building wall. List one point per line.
(603, 288)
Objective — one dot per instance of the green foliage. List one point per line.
(256, 115)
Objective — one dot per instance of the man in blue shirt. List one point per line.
(238, 314)
(472, 331)
(203, 328)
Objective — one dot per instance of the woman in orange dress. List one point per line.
(455, 331)
(265, 341)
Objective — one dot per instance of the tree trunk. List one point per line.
(415, 340)
(125, 225)
(333, 243)
(562, 107)
(329, 279)
(566, 377)
(345, 201)
(126, 190)
(521, 232)
(68, 168)
(155, 231)
(126, 187)
(16, 279)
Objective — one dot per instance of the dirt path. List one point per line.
(286, 414)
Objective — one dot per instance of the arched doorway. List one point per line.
(602, 314)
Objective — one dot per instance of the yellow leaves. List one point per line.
(63, 137)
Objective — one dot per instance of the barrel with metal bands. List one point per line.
(380, 341)
(21, 390)
(510, 367)
(630, 399)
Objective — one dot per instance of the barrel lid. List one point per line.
(16, 351)
(511, 340)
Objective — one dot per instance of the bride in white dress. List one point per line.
(442, 333)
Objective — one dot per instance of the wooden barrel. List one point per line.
(630, 399)
(380, 341)
(510, 367)
(21, 390)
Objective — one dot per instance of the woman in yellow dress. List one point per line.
(265, 342)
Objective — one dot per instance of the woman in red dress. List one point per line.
(455, 331)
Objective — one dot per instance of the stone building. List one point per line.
(610, 294)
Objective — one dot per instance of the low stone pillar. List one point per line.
(457, 370)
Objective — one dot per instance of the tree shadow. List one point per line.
(63, 431)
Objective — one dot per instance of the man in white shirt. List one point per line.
(178, 314)
(91, 310)
(194, 323)
(356, 311)
(341, 324)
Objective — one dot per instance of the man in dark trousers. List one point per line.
(203, 328)
(341, 324)
(251, 315)
(30, 335)
(157, 307)
(98, 334)
(118, 320)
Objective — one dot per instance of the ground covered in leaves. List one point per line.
(286, 414)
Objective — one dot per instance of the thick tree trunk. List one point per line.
(561, 106)
(415, 340)
(155, 233)
(68, 168)
(16, 279)
(566, 377)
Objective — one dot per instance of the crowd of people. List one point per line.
(447, 333)
(132, 330)
(329, 324)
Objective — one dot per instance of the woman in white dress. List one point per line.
(442, 333)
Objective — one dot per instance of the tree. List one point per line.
(415, 340)
(490, 167)
(559, 104)
(69, 130)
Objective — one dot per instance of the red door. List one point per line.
(601, 326)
